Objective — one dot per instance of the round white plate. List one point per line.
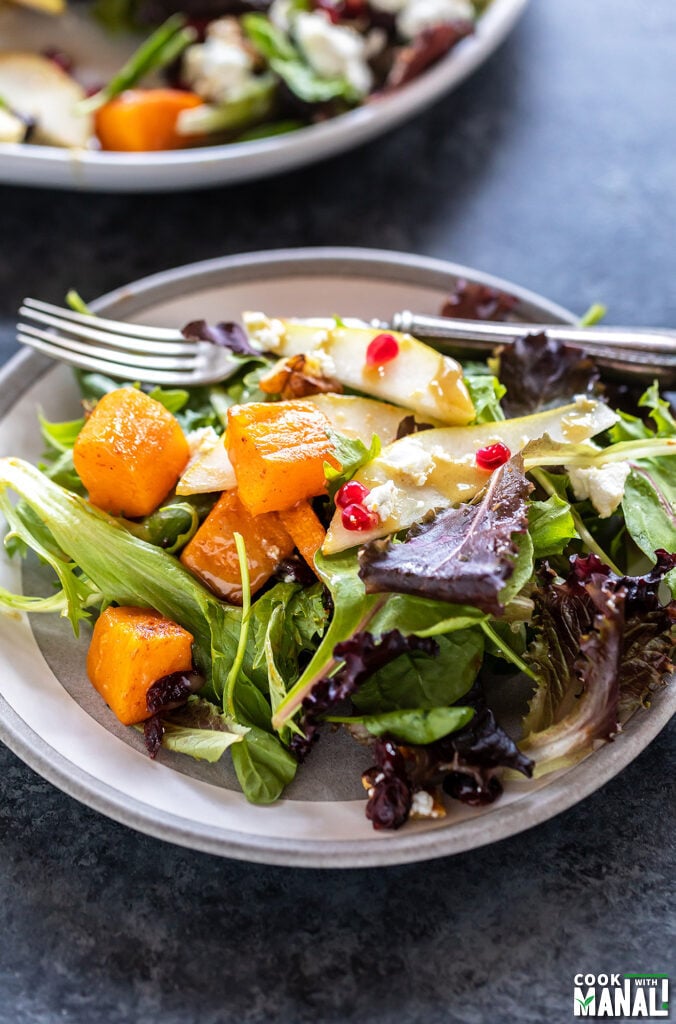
(53, 719)
(97, 57)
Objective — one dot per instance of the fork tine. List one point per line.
(110, 369)
(90, 332)
(132, 362)
(116, 326)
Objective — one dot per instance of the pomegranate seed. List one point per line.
(354, 8)
(383, 349)
(492, 456)
(351, 493)
(58, 57)
(332, 10)
(357, 517)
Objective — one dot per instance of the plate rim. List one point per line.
(406, 847)
(247, 161)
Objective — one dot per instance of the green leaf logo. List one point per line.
(585, 1002)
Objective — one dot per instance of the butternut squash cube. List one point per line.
(306, 531)
(130, 650)
(130, 453)
(278, 450)
(212, 555)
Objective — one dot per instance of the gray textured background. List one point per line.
(555, 166)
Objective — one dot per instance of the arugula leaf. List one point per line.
(485, 390)
(412, 725)
(289, 64)
(465, 555)
(551, 526)
(352, 607)
(352, 454)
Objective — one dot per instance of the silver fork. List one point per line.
(158, 355)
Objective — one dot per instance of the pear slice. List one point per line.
(210, 469)
(418, 377)
(435, 469)
(36, 87)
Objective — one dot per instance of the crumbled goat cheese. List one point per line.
(281, 14)
(325, 364)
(382, 500)
(221, 68)
(417, 15)
(603, 485)
(333, 51)
(411, 463)
(266, 333)
(201, 441)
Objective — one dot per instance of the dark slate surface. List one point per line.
(554, 166)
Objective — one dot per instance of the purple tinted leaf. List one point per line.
(409, 425)
(225, 335)
(153, 731)
(173, 690)
(467, 763)
(603, 645)
(362, 656)
(472, 301)
(427, 47)
(464, 556)
(540, 373)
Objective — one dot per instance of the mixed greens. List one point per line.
(218, 72)
(528, 530)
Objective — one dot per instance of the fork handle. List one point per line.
(488, 334)
(624, 352)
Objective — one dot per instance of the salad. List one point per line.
(221, 72)
(356, 532)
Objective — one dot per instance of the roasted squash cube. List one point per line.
(306, 531)
(278, 450)
(130, 650)
(212, 554)
(130, 453)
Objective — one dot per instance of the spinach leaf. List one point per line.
(418, 725)
(264, 767)
(417, 681)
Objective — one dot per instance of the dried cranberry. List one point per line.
(358, 518)
(472, 790)
(351, 493)
(389, 804)
(382, 349)
(493, 456)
